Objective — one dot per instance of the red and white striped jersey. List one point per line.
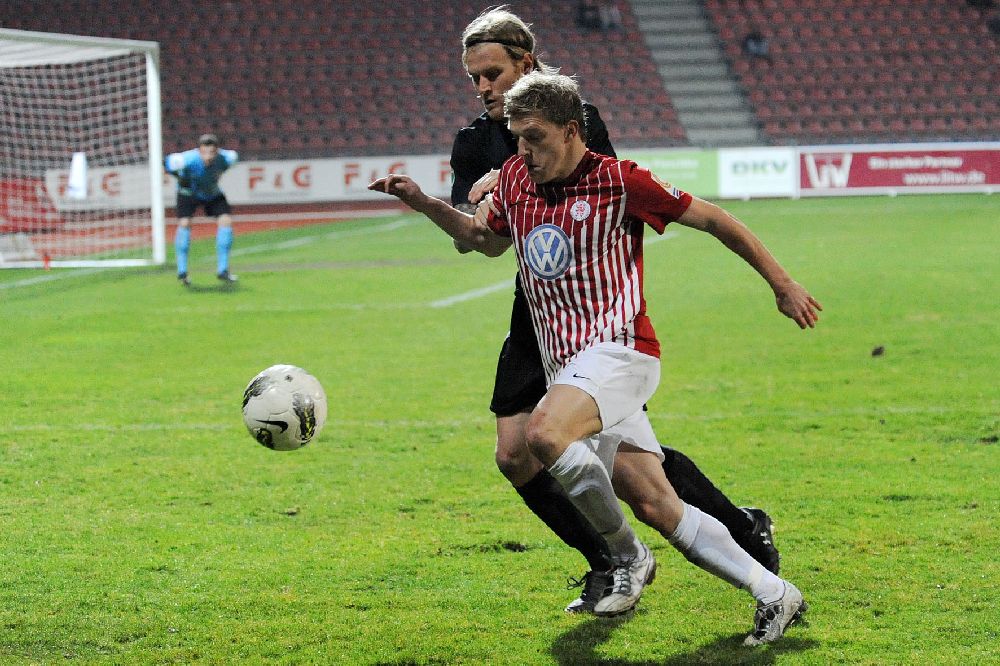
(579, 248)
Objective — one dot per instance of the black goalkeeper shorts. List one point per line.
(187, 206)
(520, 380)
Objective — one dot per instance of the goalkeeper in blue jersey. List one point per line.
(198, 171)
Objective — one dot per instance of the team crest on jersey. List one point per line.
(671, 190)
(580, 210)
(547, 251)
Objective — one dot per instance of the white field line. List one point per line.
(473, 294)
(305, 240)
(484, 418)
(224, 426)
(332, 235)
(650, 240)
(325, 306)
(331, 216)
(49, 277)
(253, 249)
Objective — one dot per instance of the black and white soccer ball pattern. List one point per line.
(284, 407)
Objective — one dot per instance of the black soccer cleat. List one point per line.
(226, 276)
(759, 540)
(594, 584)
(184, 279)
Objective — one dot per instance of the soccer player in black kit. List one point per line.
(498, 48)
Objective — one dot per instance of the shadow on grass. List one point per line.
(578, 647)
(217, 286)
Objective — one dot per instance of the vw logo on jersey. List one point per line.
(547, 251)
(580, 210)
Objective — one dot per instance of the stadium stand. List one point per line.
(848, 71)
(279, 79)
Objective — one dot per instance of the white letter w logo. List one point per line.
(827, 173)
(547, 251)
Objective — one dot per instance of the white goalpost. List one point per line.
(81, 155)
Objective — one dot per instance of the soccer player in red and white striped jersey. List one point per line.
(498, 49)
(576, 220)
(581, 251)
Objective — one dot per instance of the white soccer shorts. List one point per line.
(619, 379)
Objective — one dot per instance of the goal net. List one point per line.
(81, 177)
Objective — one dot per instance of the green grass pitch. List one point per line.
(140, 523)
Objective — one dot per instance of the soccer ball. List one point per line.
(284, 407)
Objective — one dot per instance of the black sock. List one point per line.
(694, 488)
(547, 499)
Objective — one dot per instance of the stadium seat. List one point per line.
(261, 61)
(312, 61)
(835, 59)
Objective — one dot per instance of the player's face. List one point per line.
(208, 153)
(545, 147)
(493, 73)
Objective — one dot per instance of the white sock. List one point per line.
(704, 541)
(588, 485)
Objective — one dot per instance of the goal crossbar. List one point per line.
(25, 48)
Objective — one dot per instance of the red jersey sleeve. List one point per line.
(651, 200)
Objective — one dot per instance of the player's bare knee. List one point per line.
(545, 441)
(512, 456)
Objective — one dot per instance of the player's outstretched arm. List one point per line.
(792, 298)
(469, 230)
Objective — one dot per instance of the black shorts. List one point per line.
(520, 380)
(187, 206)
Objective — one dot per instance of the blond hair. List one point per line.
(553, 97)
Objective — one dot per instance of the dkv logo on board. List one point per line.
(757, 172)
